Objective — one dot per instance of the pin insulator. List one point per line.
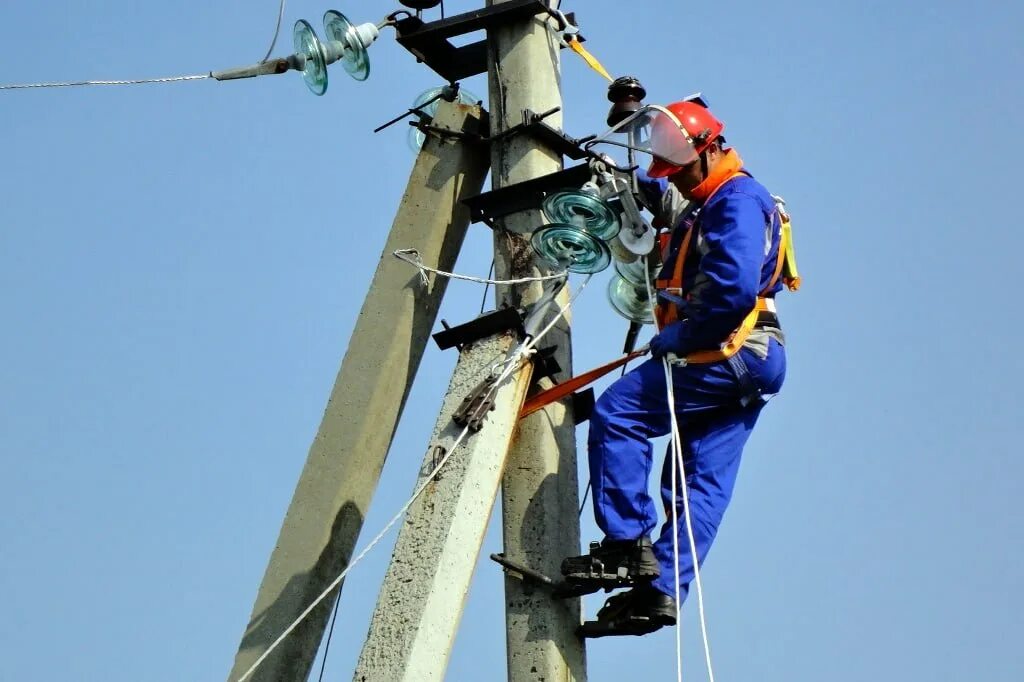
(626, 95)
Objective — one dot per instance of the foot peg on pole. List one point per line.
(560, 589)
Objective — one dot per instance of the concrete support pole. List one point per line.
(539, 490)
(425, 588)
(345, 460)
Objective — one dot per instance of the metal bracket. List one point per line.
(533, 124)
(522, 196)
(429, 42)
(475, 406)
(544, 363)
(582, 405)
(559, 588)
(506, 319)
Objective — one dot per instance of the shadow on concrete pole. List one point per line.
(344, 463)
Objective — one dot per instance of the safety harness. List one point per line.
(670, 291)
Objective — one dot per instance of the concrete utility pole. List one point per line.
(425, 588)
(540, 489)
(345, 460)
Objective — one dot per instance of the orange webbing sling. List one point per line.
(545, 398)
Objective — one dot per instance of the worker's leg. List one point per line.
(714, 427)
(711, 449)
(628, 414)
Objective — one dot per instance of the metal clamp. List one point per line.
(567, 30)
(475, 406)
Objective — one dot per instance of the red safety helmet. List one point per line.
(701, 127)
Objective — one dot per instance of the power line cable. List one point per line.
(138, 81)
(483, 301)
(69, 84)
(586, 494)
(277, 32)
(330, 634)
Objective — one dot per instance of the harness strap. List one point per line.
(751, 393)
(736, 339)
(780, 260)
(790, 276)
(666, 313)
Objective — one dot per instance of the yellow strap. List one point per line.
(790, 276)
(590, 59)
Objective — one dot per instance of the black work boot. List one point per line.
(611, 564)
(640, 611)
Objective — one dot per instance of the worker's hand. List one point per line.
(668, 340)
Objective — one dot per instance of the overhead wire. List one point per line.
(512, 363)
(140, 81)
(330, 635)
(483, 300)
(586, 494)
(277, 32)
(70, 84)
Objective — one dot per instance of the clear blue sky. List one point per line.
(181, 266)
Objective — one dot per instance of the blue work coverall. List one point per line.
(733, 261)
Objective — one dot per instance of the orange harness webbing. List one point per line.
(545, 398)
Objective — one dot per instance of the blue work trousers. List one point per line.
(714, 425)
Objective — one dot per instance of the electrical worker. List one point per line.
(716, 315)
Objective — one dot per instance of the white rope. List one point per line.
(677, 461)
(512, 364)
(676, 447)
(412, 257)
(69, 84)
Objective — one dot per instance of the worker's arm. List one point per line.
(661, 198)
(727, 284)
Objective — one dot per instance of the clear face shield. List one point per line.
(652, 134)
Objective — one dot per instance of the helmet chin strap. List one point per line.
(704, 169)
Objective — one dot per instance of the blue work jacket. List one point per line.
(729, 263)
